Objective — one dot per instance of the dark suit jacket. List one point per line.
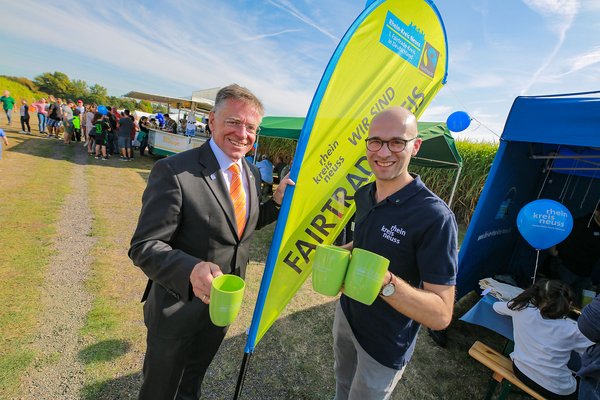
(187, 216)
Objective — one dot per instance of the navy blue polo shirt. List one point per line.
(417, 232)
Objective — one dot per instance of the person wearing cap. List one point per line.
(80, 107)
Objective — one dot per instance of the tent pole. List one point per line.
(454, 187)
(242, 376)
(256, 149)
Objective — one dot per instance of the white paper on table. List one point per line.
(501, 291)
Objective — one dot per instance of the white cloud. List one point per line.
(559, 15)
(173, 51)
(437, 113)
(268, 35)
(583, 61)
(288, 7)
(487, 80)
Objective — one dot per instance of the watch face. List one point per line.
(388, 290)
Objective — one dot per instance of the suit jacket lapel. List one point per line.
(211, 173)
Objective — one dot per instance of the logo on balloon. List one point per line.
(458, 121)
(544, 223)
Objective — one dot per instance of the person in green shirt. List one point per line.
(7, 103)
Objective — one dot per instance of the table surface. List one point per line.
(483, 314)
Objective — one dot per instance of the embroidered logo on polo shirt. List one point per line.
(392, 233)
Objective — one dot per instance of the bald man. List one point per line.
(397, 217)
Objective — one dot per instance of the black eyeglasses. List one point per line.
(395, 145)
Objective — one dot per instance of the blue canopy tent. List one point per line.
(550, 148)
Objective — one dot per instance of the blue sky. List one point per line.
(279, 48)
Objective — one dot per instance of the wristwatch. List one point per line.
(389, 288)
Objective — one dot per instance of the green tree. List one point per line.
(79, 89)
(56, 83)
(129, 104)
(98, 94)
(144, 106)
(159, 108)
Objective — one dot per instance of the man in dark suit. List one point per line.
(188, 234)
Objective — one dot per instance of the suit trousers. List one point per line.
(175, 368)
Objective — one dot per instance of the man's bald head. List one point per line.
(397, 119)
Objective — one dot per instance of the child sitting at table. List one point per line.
(544, 338)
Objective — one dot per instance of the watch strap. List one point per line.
(390, 281)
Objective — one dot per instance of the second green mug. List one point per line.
(365, 275)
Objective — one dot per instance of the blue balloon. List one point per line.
(458, 121)
(544, 223)
(102, 110)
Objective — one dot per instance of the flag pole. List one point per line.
(242, 376)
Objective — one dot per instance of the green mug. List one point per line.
(329, 269)
(226, 294)
(365, 276)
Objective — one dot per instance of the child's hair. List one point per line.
(553, 298)
(97, 117)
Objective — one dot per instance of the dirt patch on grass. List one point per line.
(58, 372)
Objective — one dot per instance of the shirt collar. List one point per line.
(401, 195)
(222, 158)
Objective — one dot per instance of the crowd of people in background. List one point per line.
(104, 131)
(270, 173)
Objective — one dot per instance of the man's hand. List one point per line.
(201, 279)
(278, 195)
(348, 246)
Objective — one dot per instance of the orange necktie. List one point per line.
(238, 197)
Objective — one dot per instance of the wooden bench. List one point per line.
(502, 371)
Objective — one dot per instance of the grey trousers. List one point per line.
(358, 376)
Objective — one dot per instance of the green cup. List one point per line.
(226, 294)
(365, 275)
(329, 269)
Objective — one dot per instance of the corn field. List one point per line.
(477, 160)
